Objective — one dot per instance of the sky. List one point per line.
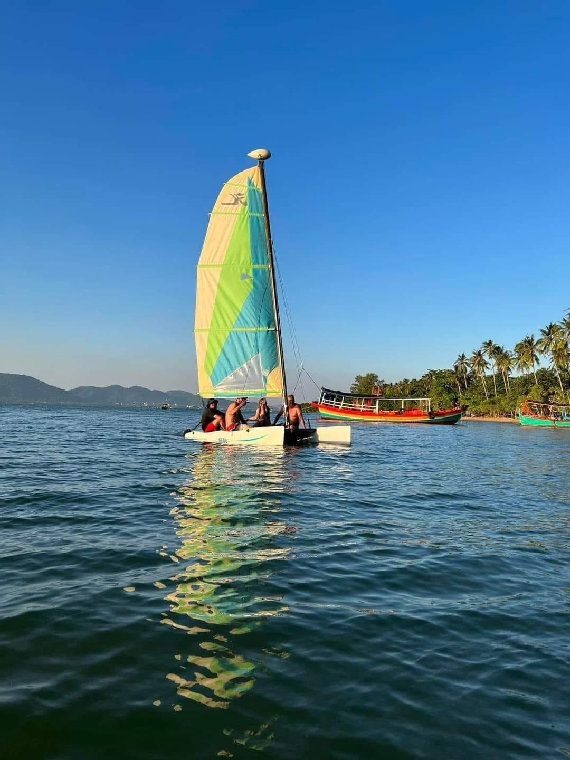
(418, 185)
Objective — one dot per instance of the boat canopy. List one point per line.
(550, 410)
(344, 400)
(547, 404)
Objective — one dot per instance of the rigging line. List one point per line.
(311, 379)
(297, 381)
(295, 342)
(296, 347)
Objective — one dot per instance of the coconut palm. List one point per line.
(559, 359)
(519, 358)
(565, 326)
(457, 377)
(479, 364)
(461, 368)
(427, 380)
(552, 344)
(526, 355)
(504, 362)
(489, 348)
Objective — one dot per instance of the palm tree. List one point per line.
(479, 365)
(428, 380)
(565, 325)
(552, 344)
(489, 349)
(526, 355)
(457, 376)
(519, 358)
(504, 361)
(461, 368)
(560, 358)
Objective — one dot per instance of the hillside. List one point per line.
(23, 389)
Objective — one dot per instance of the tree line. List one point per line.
(493, 379)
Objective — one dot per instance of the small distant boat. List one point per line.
(338, 405)
(165, 406)
(544, 415)
(239, 349)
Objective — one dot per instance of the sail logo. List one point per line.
(237, 200)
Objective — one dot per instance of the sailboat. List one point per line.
(239, 348)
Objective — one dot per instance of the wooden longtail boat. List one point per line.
(338, 405)
(544, 415)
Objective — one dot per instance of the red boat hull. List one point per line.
(442, 417)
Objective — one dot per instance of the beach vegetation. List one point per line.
(493, 380)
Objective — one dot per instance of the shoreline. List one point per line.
(476, 418)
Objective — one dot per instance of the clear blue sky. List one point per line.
(418, 186)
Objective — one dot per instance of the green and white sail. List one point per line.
(235, 326)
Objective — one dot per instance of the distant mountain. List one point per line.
(22, 389)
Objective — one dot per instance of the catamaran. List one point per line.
(544, 415)
(239, 348)
(338, 405)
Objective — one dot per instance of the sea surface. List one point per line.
(407, 597)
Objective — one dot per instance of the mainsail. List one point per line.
(235, 326)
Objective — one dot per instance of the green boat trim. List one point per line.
(539, 422)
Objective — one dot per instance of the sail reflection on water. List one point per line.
(227, 524)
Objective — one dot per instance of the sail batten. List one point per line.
(235, 327)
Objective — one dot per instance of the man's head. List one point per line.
(241, 400)
(212, 404)
(290, 399)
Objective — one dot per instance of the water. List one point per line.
(404, 598)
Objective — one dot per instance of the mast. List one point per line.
(262, 154)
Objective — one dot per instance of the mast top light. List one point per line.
(260, 154)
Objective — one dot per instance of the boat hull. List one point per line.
(268, 436)
(542, 421)
(337, 435)
(447, 417)
(274, 436)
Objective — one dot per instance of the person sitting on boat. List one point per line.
(210, 413)
(295, 414)
(216, 424)
(262, 417)
(234, 418)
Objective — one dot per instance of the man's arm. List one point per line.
(301, 417)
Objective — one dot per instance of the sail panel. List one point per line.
(235, 330)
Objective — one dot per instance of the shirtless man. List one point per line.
(295, 414)
(234, 419)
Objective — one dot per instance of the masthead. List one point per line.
(260, 154)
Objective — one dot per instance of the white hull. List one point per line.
(270, 436)
(338, 435)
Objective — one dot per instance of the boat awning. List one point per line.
(374, 397)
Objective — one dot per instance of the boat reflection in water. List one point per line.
(228, 527)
